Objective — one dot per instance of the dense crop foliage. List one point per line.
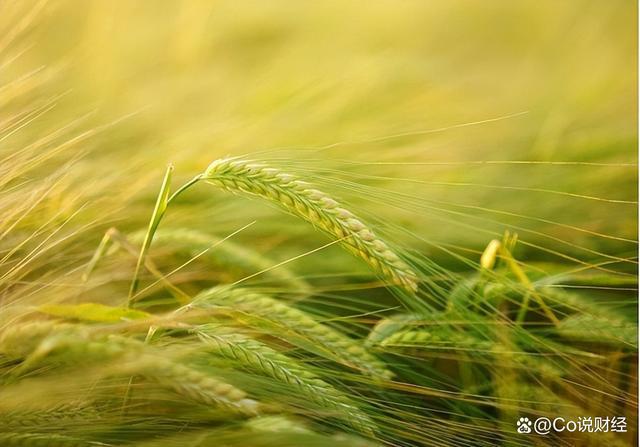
(381, 224)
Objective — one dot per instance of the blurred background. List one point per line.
(445, 122)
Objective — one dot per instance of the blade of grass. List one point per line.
(156, 216)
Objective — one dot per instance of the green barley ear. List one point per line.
(68, 344)
(301, 199)
(436, 339)
(388, 326)
(58, 414)
(262, 359)
(339, 346)
(276, 424)
(195, 384)
(598, 329)
(589, 321)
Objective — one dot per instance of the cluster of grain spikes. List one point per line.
(67, 344)
(301, 199)
(262, 359)
(268, 311)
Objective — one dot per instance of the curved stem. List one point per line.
(184, 187)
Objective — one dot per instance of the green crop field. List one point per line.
(305, 224)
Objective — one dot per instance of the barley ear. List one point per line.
(334, 344)
(301, 199)
(258, 357)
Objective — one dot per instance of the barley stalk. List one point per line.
(341, 347)
(300, 199)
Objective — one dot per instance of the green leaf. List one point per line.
(156, 216)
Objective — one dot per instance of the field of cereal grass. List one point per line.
(402, 223)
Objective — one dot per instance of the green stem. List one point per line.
(184, 187)
(524, 308)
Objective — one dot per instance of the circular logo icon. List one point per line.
(524, 425)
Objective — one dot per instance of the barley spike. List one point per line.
(260, 358)
(301, 199)
(345, 349)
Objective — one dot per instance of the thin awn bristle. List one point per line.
(301, 199)
(227, 256)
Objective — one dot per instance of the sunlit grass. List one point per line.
(222, 319)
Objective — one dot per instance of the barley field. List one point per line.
(256, 224)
